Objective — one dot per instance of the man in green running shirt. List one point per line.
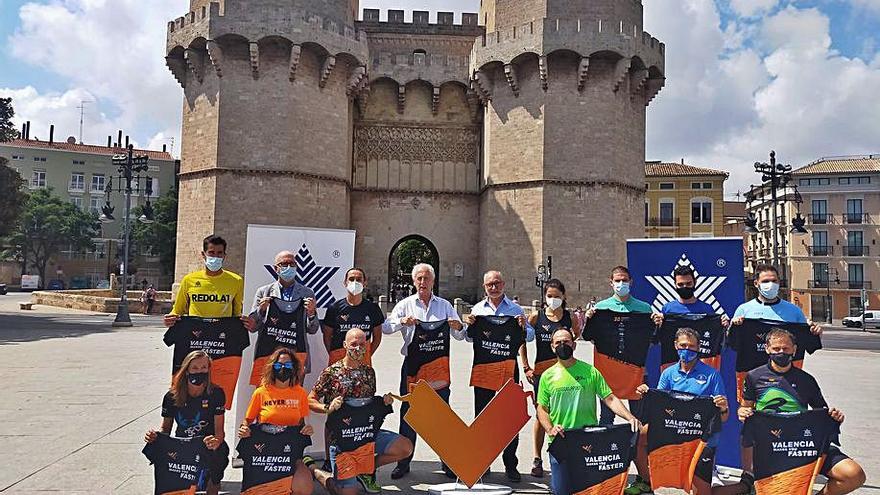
(567, 400)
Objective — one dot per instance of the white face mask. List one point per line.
(621, 289)
(355, 288)
(769, 290)
(554, 303)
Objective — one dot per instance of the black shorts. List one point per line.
(217, 462)
(832, 457)
(706, 465)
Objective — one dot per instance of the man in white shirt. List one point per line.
(423, 306)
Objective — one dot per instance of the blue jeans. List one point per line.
(558, 477)
(384, 439)
(405, 429)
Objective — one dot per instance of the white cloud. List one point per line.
(112, 51)
(871, 5)
(777, 85)
(749, 8)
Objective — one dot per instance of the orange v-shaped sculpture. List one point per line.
(467, 450)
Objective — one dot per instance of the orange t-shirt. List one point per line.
(278, 406)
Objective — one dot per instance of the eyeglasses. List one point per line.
(278, 366)
(494, 284)
(285, 265)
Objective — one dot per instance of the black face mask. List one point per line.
(564, 351)
(685, 292)
(283, 374)
(781, 359)
(197, 378)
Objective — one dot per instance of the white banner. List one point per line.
(322, 257)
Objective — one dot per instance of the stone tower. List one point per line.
(267, 116)
(565, 84)
(515, 134)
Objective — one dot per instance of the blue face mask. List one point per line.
(287, 273)
(213, 264)
(687, 355)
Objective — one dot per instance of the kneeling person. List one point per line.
(781, 387)
(351, 383)
(695, 377)
(197, 406)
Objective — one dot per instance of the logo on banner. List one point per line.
(704, 289)
(313, 276)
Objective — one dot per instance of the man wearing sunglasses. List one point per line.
(285, 288)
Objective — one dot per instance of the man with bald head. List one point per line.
(496, 304)
(567, 400)
(351, 381)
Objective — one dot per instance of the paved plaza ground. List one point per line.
(78, 396)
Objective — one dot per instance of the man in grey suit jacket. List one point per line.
(285, 288)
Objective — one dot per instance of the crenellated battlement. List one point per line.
(209, 23)
(543, 36)
(420, 24)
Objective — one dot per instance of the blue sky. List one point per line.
(744, 75)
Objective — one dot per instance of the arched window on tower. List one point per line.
(419, 57)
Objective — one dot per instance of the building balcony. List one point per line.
(856, 250)
(820, 250)
(856, 218)
(664, 222)
(764, 253)
(859, 284)
(819, 218)
(818, 284)
(764, 225)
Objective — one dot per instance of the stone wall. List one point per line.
(98, 300)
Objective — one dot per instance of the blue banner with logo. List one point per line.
(718, 265)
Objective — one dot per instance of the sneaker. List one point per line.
(237, 463)
(638, 487)
(368, 481)
(538, 468)
(399, 472)
(748, 479)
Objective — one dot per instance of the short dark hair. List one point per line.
(356, 269)
(764, 267)
(684, 271)
(690, 332)
(621, 269)
(777, 332)
(215, 240)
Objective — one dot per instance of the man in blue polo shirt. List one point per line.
(691, 376)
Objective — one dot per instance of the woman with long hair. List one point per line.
(546, 322)
(197, 407)
(280, 400)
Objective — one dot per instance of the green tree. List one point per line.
(160, 237)
(8, 132)
(47, 226)
(12, 197)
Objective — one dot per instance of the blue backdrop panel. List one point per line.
(718, 263)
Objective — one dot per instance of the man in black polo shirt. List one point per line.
(778, 386)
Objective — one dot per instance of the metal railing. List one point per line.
(856, 218)
(664, 222)
(818, 284)
(820, 250)
(859, 284)
(856, 250)
(819, 218)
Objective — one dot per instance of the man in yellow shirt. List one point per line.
(209, 293)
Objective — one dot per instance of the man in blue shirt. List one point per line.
(691, 376)
(687, 303)
(496, 303)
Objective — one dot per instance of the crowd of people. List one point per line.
(567, 390)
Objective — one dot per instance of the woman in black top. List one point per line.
(197, 407)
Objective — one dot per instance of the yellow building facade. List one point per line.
(682, 200)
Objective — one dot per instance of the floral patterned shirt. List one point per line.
(349, 383)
